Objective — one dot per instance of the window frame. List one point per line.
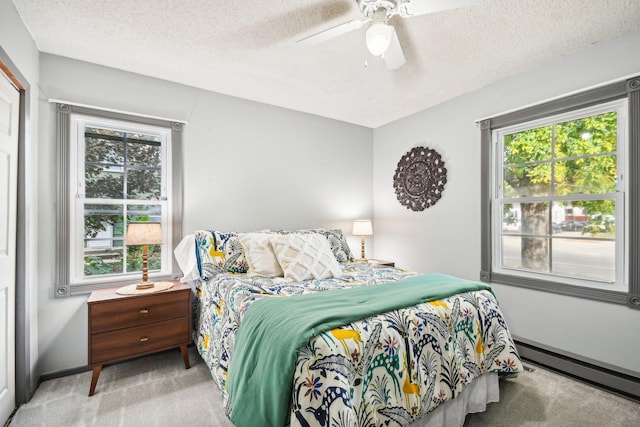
(629, 89)
(620, 106)
(77, 185)
(67, 116)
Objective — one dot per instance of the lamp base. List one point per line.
(145, 285)
(362, 257)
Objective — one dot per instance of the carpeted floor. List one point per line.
(544, 398)
(158, 391)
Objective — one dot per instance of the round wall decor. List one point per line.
(420, 178)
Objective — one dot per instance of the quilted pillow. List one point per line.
(218, 252)
(259, 254)
(337, 241)
(305, 256)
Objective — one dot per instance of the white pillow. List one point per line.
(305, 256)
(185, 254)
(259, 254)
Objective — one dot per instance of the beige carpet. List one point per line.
(158, 391)
(544, 398)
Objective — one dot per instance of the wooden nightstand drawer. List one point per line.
(138, 311)
(123, 343)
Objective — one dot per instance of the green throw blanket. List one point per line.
(274, 329)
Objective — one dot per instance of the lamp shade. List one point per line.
(144, 233)
(362, 227)
(379, 38)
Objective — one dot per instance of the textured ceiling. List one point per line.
(246, 48)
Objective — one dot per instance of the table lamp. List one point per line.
(362, 227)
(144, 234)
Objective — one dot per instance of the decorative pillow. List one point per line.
(337, 241)
(339, 245)
(210, 262)
(305, 256)
(228, 243)
(218, 252)
(259, 254)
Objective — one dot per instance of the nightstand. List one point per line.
(382, 262)
(123, 327)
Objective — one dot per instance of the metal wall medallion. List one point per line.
(420, 178)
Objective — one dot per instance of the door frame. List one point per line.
(25, 385)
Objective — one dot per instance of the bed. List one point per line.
(425, 363)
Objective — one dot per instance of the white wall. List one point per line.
(246, 166)
(19, 46)
(446, 237)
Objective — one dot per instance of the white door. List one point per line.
(9, 110)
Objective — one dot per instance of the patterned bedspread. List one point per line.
(388, 369)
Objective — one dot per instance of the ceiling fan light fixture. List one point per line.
(378, 38)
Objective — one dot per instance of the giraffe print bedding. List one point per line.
(389, 369)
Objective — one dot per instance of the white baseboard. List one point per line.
(620, 381)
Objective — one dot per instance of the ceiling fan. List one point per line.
(381, 38)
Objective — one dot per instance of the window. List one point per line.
(116, 169)
(560, 189)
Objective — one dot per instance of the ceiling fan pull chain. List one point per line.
(366, 57)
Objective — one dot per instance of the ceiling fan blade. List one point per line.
(421, 7)
(332, 32)
(394, 57)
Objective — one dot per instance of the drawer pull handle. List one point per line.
(144, 311)
(143, 339)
